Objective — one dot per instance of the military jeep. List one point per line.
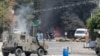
(18, 43)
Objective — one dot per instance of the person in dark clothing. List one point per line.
(51, 36)
(47, 35)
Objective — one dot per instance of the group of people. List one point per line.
(47, 35)
(40, 35)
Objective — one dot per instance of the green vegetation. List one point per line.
(5, 5)
(94, 22)
(5, 13)
(3, 10)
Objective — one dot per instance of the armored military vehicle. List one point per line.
(97, 48)
(17, 43)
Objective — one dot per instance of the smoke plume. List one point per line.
(75, 19)
(22, 20)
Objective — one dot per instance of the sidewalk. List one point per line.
(71, 55)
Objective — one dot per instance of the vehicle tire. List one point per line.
(5, 53)
(18, 52)
(98, 54)
(40, 52)
(27, 53)
(45, 52)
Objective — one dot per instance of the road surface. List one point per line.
(56, 49)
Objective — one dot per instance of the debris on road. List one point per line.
(62, 39)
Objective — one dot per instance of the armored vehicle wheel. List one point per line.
(45, 52)
(40, 52)
(5, 53)
(27, 53)
(18, 52)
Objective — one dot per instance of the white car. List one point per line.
(81, 33)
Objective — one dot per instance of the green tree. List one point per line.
(5, 13)
(94, 22)
(3, 10)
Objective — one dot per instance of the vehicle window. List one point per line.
(10, 37)
(33, 41)
(22, 37)
(80, 32)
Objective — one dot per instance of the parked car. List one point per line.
(81, 33)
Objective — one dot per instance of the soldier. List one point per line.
(47, 35)
(41, 35)
(51, 35)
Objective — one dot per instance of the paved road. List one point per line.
(76, 48)
(56, 48)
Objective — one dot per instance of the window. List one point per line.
(22, 37)
(80, 32)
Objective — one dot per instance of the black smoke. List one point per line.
(49, 19)
(68, 18)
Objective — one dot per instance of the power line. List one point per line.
(64, 6)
